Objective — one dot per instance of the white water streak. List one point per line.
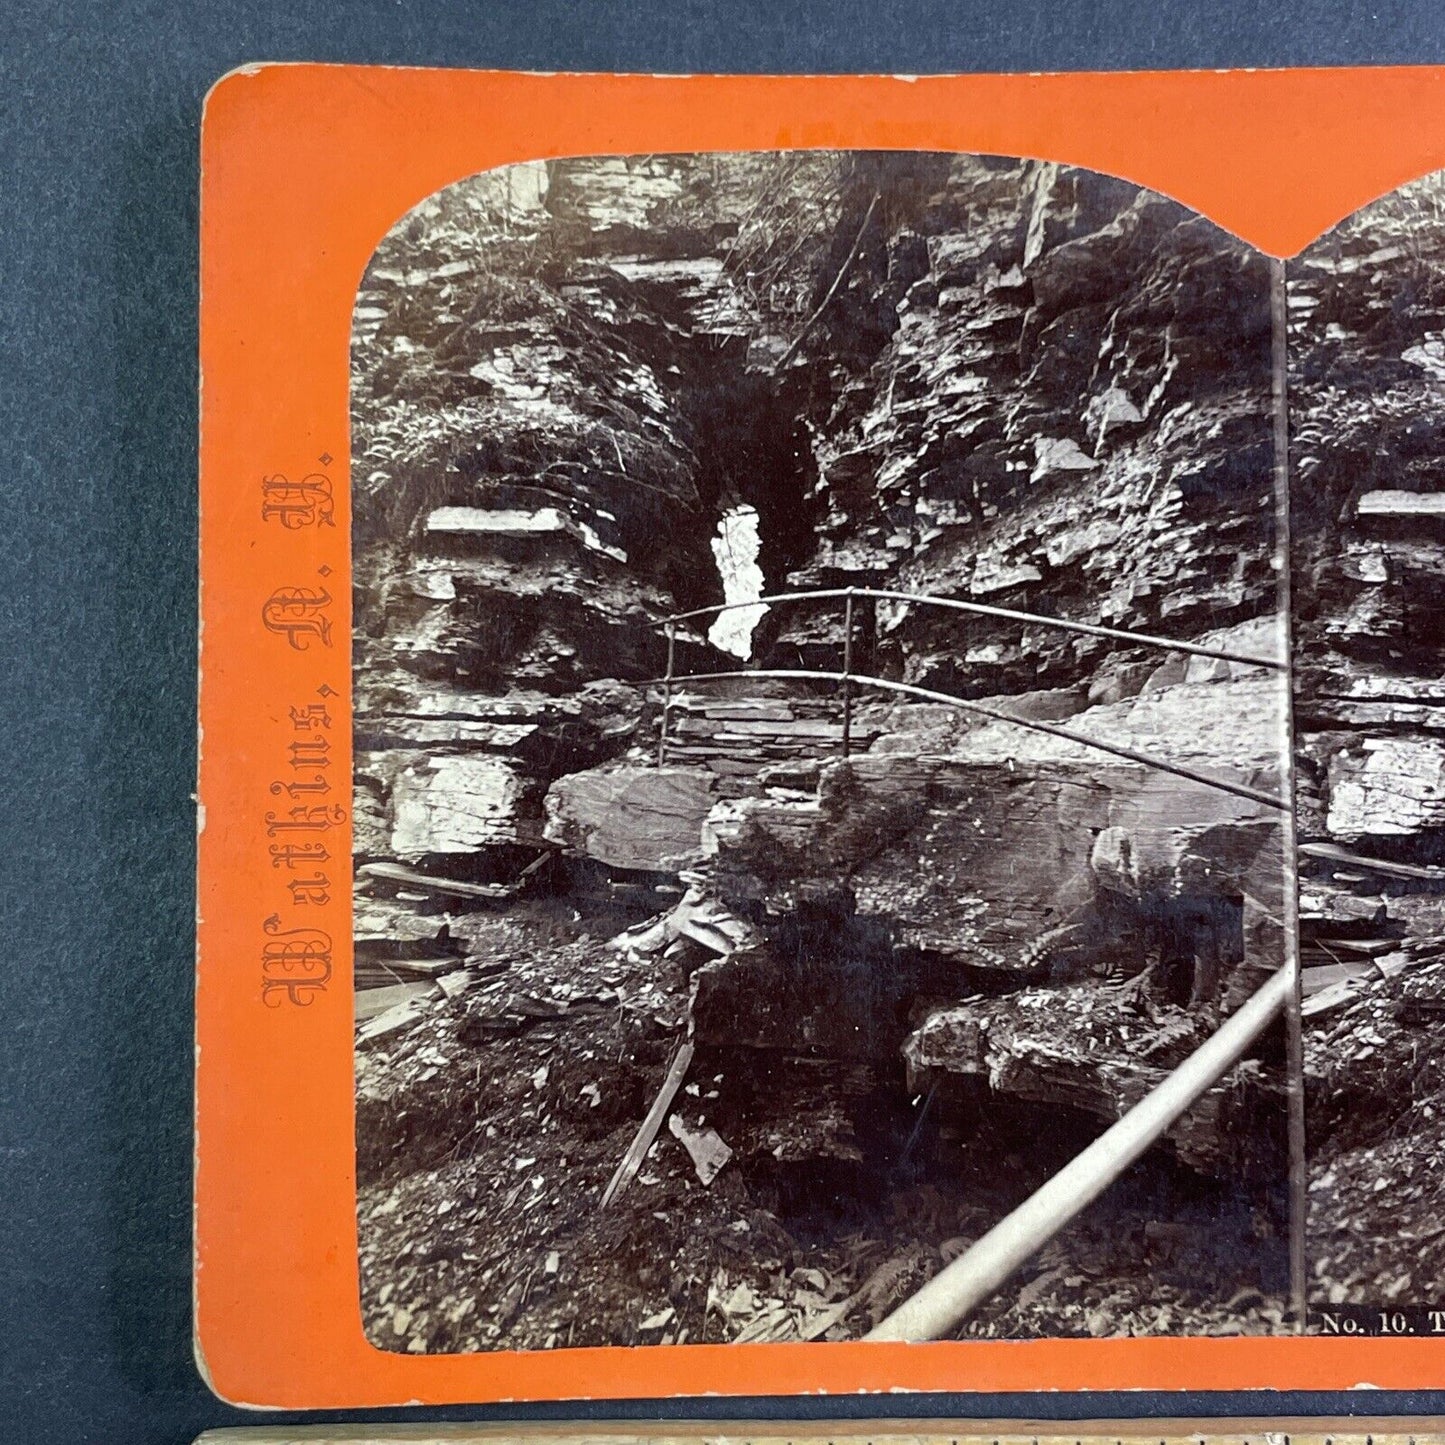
(736, 549)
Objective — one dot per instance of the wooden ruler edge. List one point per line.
(1303, 1430)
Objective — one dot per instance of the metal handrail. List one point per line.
(984, 609)
(1226, 785)
(948, 1299)
(847, 677)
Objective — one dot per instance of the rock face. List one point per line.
(1387, 787)
(1367, 420)
(453, 804)
(1367, 439)
(1023, 854)
(643, 818)
(1030, 385)
(1072, 410)
(998, 382)
(553, 405)
(1101, 1052)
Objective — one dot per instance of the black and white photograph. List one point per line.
(1367, 443)
(822, 755)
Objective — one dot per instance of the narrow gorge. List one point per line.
(900, 957)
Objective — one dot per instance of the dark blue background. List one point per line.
(97, 594)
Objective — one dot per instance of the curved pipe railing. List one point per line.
(1163, 765)
(948, 1299)
(983, 609)
(848, 677)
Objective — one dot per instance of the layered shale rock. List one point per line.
(887, 963)
(551, 395)
(648, 819)
(1026, 856)
(1367, 438)
(1071, 413)
(1367, 405)
(997, 381)
(1100, 1051)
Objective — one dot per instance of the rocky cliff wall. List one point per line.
(998, 380)
(912, 964)
(1367, 400)
(1367, 440)
(1070, 414)
(553, 388)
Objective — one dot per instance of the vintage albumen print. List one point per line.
(1367, 438)
(821, 722)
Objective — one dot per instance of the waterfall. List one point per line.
(736, 549)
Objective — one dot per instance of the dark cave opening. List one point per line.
(753, 451)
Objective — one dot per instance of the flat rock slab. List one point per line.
(1091, 1049)
(1387, 787)
(974, 860)
(643, 817)
(455, 804)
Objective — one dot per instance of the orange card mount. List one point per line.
(498, 992)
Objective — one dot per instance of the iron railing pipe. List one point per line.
(1225, 785)
(983, 609)
(958, 1289)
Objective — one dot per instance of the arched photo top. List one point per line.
(802, 601)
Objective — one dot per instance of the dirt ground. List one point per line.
(490, 1125)
(1375, 1072)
